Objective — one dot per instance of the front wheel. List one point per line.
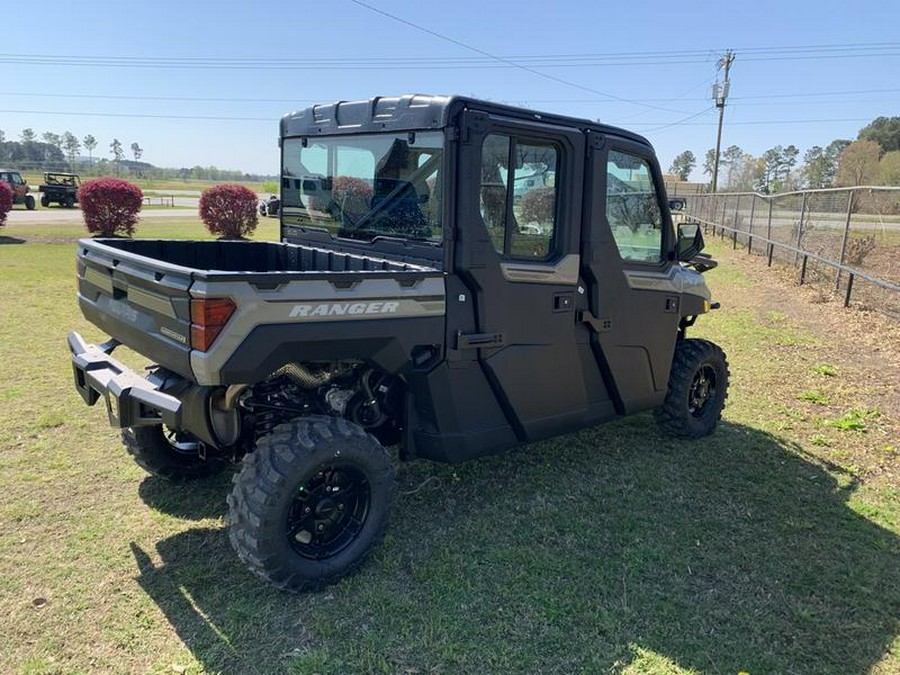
(698, 387)
(311, 502)
(45, 201)
(29, 202)
(169, 454)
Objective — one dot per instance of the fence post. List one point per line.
(800, 227)
(849, 289)
(750, 225)
(850, 193)
(722, 221)
(769, 222)
(737, 206)
(803, 270)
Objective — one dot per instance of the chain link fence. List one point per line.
(844, 241)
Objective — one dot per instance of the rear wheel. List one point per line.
(170, 454)
(29, 202)
(45, 202)
(311, 502)
(68, 202)
(698, 387)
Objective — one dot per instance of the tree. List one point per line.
(889, 168)
(28, 135)
(883, 130)
(820, 164)
(730, 158)
(771, 159)
(858, 164)
(115, 149)
(72, 145)
(137, 151)
(747, 173)
(788, 160)
(51, 139)
(2, 136)
(89, 144)
(229, 211)
(683, 164)
(709, 161)
(816, 166)
(110, 206)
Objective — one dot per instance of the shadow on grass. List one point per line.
(583, 554)
(10, 240)
(191, 500)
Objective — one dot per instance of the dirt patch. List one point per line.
(863, 346)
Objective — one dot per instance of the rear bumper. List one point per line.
(131, 400)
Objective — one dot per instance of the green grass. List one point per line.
(854, 420)
(616, 549)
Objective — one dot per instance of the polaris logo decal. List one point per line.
(344, 309)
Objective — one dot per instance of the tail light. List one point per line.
(208, 318)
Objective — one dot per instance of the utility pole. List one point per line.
(720, 94)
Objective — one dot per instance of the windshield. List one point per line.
(366, 186)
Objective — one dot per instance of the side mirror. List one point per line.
(690, 241)
(677, 204)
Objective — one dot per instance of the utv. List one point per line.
(60, 188)
(19, 187)
(455, 278)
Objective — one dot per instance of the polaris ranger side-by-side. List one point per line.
(455, 277)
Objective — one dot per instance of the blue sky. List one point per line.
(644, 65)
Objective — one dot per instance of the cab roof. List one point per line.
(417, 112)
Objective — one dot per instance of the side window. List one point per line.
(632, 207)
(518, 195)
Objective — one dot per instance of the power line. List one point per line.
(674, 124)
(484, 60)
(498, 58)
(270, 120)
(529, 101)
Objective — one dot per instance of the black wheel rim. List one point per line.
(328, 512)
(703, 391)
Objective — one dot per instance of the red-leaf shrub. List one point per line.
(110, 206)
(229, 211)
(6, 199)
(537, 205)
(351, 194)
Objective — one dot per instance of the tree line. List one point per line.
(63, 152)
(872, 159)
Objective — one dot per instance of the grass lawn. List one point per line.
(771, 547)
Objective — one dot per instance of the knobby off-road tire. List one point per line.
(311, 502)
(698, 387)
(164, 453)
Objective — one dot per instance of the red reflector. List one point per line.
(208, 317)
(202, 337)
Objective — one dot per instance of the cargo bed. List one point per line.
(140, 292)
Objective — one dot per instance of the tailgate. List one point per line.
(141, 302)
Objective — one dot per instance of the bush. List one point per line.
(6, 199)
(110, 206)
(352, 195)
(229, 211)
(537, 205)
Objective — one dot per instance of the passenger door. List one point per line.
(633, 297)
(519, 206)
